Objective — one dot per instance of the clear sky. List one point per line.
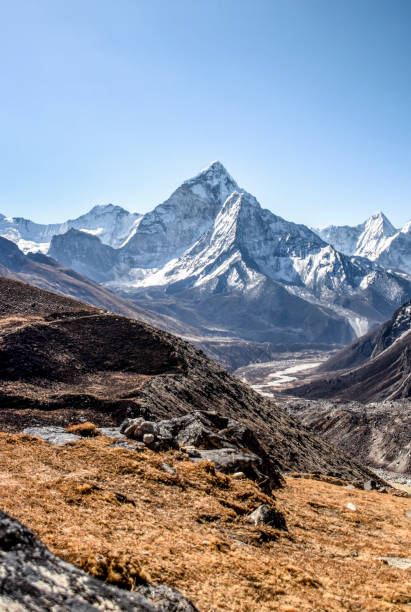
(306, 102)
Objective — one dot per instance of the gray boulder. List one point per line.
(264, 515)
(232, 461)
(32, 578)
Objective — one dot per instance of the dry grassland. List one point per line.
(120, 515)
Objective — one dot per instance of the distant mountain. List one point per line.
(377, 239)
(112, 224)
(375, 367)
(212, 258)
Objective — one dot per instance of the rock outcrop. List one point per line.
(32, 578)
(207, 436)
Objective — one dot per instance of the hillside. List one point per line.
(123, 518)
(46, 273)
(62, 361)
(377, 366)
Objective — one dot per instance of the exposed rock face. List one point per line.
(84, 253)
(377, 434)
(32, 578)
(374, 367)
(228, 444)
(73, 360)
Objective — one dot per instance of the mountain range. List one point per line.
(213, 259)
(112, 224)
(376, 238)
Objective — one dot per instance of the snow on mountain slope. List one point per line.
(396, 253)
(344, 238)
(174, 225)
(219, 279)
(376, 239)
(247, 242)
(242, 229)
(112, 224)
(211, 256)
(378, 229)
(364, 240)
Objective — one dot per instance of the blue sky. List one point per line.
(306, 102)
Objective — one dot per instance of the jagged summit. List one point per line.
(216, 168)
(213, 182)
(380, 224)
(368, 239)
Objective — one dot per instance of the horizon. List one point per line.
(307, 102)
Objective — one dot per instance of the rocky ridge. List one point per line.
(378, 433)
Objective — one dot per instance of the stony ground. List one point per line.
(123, 515)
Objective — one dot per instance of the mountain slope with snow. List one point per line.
(249, 249)
(376, 239)
(112, 224)
(166, 231)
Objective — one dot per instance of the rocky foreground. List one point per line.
(32, 578)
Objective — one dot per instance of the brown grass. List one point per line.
(85, 430)
(121, 516)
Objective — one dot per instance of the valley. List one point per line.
(274, 376)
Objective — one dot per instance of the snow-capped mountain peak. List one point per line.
(407, 228)
(379, 226)
(211, 247)
(175, 225)
(374, 237)
(367, 239)
(212, 182)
